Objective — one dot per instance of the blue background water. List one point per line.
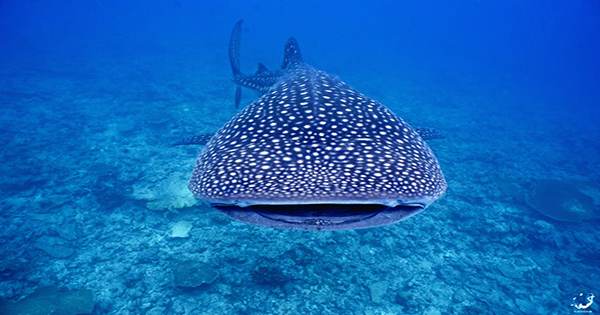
(93, 92)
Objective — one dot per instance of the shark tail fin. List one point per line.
(234, 47)
(260, 81)
(234, 58)
(291, 53)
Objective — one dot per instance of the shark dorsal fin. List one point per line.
(261, 69)
(291, 53)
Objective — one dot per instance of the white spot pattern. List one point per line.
(313, 138)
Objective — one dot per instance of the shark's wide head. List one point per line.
(313, 153)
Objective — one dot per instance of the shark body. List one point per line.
(314, 153)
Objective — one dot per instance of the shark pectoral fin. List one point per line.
(429, 133)
(201, 139)
(238, 96)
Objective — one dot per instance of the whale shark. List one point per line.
(313, 153)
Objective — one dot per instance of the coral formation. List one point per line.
(193, 274)
(181, 229)
(51, 300)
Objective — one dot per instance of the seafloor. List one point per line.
(91, 188)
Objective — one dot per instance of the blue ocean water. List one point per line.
(97, 218)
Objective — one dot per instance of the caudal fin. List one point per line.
(261, 80)
(234, 48)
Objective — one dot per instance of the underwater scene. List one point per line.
(299, 157)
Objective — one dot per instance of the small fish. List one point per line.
(314, 153)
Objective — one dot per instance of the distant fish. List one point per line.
(313, 153)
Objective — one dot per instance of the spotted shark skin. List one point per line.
(202, 139)
(313, 140)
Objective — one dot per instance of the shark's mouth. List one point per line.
(321, 216)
